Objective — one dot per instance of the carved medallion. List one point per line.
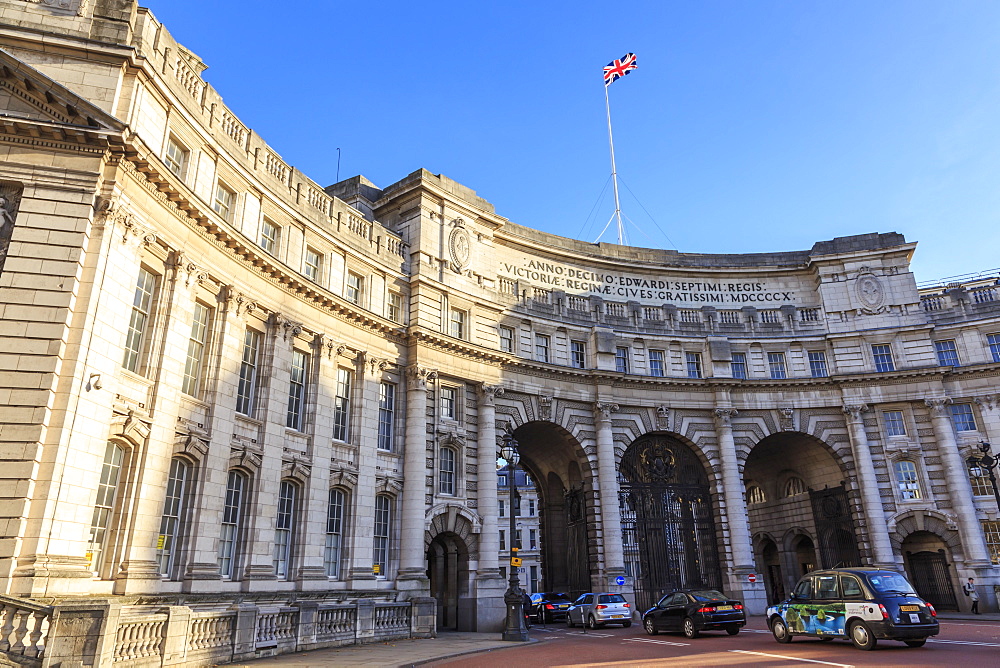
(459, 247)
(870, 292)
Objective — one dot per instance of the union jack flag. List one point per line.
(619, 68)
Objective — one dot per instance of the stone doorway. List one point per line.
(448, 571)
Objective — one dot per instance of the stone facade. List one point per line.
(243, 413)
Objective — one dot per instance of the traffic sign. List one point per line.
(752, 577)
(619, 580)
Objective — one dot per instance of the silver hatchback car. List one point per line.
(596, 610)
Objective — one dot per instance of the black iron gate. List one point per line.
(667, 526)
(928, 572)
(838, 546)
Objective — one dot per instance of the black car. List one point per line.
(692, 611)
(862, 604)
(547, 607)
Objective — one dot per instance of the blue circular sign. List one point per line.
(619, 580)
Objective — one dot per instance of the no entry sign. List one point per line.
(752, 577)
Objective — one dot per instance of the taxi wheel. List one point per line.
(649, 626)
(780, 631)
(732, 630)
(915, 643)
(862, 636)
(690, 630)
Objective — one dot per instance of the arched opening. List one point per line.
(667, 518)
(769, 557)
(448, 571)
(805, 555)
(928, 565)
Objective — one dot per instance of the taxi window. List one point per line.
(827, 587)
(851, 587)
(802, 590)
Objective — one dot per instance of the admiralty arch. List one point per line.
(243, 411)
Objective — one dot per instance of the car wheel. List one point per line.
(690, 630)
(625, 625)
(862, 636)
(780, 631)
(649, 626)
(732, 630)
(592, 623)
(915, 643)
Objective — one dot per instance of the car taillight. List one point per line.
(737, 606)
(600, 607)
(624, 605)
(885, 613)
(706, 609)
(933, 611)
(549, 606)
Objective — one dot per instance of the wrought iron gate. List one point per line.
(929, 574)
(668, 530)
(838, 545)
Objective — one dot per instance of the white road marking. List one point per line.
(793, 658)
(590, 635)
(964, 642)
(659, 642)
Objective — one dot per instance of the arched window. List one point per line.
(104, 508)
(284, 536)
(794, 485)
(906, 479)
(171, 520)
(755, 494)
(232, 518)
(446, 471)
(332, 554)
(383, 527)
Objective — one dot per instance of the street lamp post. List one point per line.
(989, 462)
(515, 628)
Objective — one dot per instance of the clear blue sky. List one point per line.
(748, 126)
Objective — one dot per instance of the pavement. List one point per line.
(447, 645)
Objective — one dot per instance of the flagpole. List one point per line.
(614, 170)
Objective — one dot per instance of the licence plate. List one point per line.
(910, 608)
(563, 606)
(724, 607)
(914, 618)
(617, 616)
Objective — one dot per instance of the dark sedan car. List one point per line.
(692, 611)
(549, 606)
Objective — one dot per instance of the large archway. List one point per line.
(448, 571)
(668, 526)
(796, 489)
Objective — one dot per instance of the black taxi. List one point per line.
(862, 604)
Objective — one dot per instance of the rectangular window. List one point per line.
(342, 405)
(541, 348)
(247, 391)
(107, 494)
(197, 343)
(533, 578)
(456, 323)
(176, 158)
(991, 532)
(739, 365)
(993, 340)
(503, 539)
(776, 362)
(269, 237)
(578, 354)
(906, 480)
(334, 533)
(394, 307)
(170, 521)
(947, 353)
(283, 529)
(501, 502)
(502, 480)
(506, 339)
(386, 415)
(142, 304)
(894, 425)
(961, 415)
(224, 199)
(383, 525)
(882, 353)
(313, 264)
(448, 399)
(532, 539)
(817, 364)
(446, 472)
(297, 390)
(979, 479)
(531, 507)
(693, 363)
(517, 539)
(355, 287)
(656, 367)
(621, 359)
(229, 531)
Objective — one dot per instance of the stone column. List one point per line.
(878, 530)
(611, 516)
(732, 484)
(959, 487)
(370, 374)
(412, 565)
(489, 538)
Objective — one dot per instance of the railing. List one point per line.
(140, 637)
(276, 627)
(211, 630)
(277, 167)
(614, 309)
(24, 627)
(337, 621)
(232, 127)
(392, 617)
(191, 82)
(689, 316)
(730, 317)
(770, 317)
(542, 296)
(321, 202)
(360, 227)
(574, 303)
(932, 303)
(652, 313)
(508, 286)
(983, 295)
(809, 315)
(395, 246)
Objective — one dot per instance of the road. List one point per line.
(969, 644)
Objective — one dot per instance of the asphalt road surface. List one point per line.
(965, 644)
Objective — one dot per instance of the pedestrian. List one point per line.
(970, 590)
(526, 608)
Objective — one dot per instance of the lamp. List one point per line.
(514, 628)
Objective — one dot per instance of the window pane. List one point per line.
(457, 323)
(961, 415)
(541, 348)
(776, 363)
(247, 390)
(313, 262)
(197, 343)
(656, 367)
(283, 528)
(386, 415)
(170, 521)
(883, 358)
(394, 309)
(994, 342)
(979, 478)
(894, 425)
(448, 402)
(507, 339)
(355, 286)
(142, 302)
(947, 353)
(269, 237)
(578, 354)
(231, 513)
(297, 390)
(176, 158)
(739, 365)
(817, 364)
(991, 531)
(383, 523)
(906, 480)
(223, 203)
(334, 533)
(693, 361)
(446, 472)
(342, 405)
(621, 359)
(107, 492)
